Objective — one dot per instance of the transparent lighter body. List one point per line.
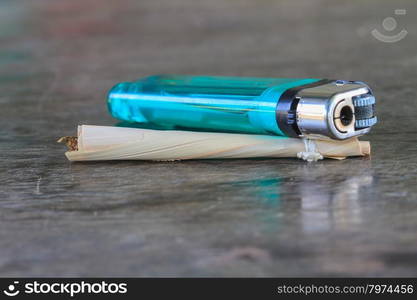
(228, 104)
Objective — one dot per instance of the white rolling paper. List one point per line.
(122, 143)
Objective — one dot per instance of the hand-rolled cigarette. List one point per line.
(122, 143)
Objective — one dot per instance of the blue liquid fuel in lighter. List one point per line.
(228, 104)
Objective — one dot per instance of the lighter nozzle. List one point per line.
(337, 110)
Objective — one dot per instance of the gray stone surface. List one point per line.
(280, 217)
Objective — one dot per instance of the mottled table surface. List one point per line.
(283, 217)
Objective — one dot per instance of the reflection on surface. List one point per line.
(324, 209)
(316, 197)
(316, 202)
(266, 189)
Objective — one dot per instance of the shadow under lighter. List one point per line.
(313, 108)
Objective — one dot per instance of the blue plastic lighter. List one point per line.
(313, 108)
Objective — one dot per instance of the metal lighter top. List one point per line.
(314, 108)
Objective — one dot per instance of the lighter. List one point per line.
(313, 108)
